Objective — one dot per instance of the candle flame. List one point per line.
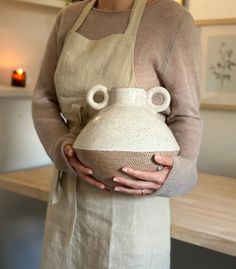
(20, 71)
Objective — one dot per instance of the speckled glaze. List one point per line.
(128, 123)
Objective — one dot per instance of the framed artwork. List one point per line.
(218, 63)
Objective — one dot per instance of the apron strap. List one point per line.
(56, 195)
(72, 202)
(132, 28)
(135, 17)
(81, 17)
(134, 20)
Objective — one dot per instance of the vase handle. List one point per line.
(166, 98)
(91, 93)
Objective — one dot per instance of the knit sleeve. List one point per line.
(181, 76)
(50, 126)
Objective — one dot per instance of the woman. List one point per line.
(126, 43)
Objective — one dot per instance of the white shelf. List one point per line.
(11, 91)
(50, 3)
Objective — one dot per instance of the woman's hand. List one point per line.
(84, 172)
(146, 182)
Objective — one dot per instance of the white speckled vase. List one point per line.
(127, 131)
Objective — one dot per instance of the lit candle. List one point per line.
(18, 78)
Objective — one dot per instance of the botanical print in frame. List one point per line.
(218, 64)
(221, 64)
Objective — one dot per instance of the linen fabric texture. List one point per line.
(158, 45)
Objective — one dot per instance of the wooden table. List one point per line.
(33, 183)
(205, 217)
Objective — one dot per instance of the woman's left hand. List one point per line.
(145, 182)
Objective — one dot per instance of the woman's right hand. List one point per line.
(83, 172)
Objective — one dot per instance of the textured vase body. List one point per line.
(126, 132)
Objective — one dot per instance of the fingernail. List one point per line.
(69, 152)
(102, 187)
(90, 172)
(117, 189)
(124, 170)
(115, 179)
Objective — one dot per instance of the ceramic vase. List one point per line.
(126, 132)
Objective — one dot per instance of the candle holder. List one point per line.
(18, 78)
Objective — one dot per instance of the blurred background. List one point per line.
(24, 30)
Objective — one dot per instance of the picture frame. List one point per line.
(218, 63)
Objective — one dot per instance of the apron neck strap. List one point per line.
(83, 15)
(134, 20)
(135, 17)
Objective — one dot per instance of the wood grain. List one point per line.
(205, 217)
(33, 183)
(221, 21)
(205, 105)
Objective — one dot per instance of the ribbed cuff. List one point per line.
(182, 177)
(60, 160)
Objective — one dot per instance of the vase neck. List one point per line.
(128, 96)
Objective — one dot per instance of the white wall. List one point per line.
(19, 143)
(24, 29)
(218, 151)
(205, 9)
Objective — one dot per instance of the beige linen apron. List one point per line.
(88, 228)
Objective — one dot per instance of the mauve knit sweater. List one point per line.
(167, 53)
